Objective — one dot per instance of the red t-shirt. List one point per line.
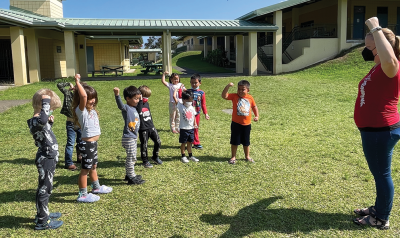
(376, 104)
(242, 108)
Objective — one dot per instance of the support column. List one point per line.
(83, 71)
(214, 43)
(205, 47)
(18, 55)
(167, 57)
(228, 47)
(252, 53)
(277, 46)
(33, 55)
(342, 24)
(69, 41)
(239, 54)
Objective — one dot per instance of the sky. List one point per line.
(159, 9)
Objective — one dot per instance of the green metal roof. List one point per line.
(139, 26)
(272, 8)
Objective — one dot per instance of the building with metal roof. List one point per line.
(37, 42)
(61, 47)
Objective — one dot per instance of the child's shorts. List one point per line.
(88, 151)
(186, 136)
(240, 134)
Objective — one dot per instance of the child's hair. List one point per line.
(91, 93)
(131, 91)
(244, 83)
(196, 76)
(55, 101)
(186, 95)
(173, 75)
(146, 91)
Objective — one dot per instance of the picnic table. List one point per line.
(110, 68)
(153, 67)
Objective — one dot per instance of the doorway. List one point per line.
(359, 22)
(90, 59)
(6, 64)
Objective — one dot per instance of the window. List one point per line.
(201, 41)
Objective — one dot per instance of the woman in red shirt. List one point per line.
(377, 118)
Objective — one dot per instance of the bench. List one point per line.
(104, 71)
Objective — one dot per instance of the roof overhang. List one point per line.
(273, 8)
(145, 50)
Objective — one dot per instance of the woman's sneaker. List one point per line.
(50, 224)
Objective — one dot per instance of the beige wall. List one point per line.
(105, 53)
(46, 56)
(322, 49)
(371, 8)
(49, 8)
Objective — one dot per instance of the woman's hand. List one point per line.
(372, 23)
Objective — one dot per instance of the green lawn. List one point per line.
(309, 175)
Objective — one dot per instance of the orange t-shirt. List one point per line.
(241, 108)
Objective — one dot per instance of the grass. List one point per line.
(190, 59)
(309, 175)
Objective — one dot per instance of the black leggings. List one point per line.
(144, 138)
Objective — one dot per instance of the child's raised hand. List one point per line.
(71, 87)
(116, 91)
(45, 96)
(51, 118)
(230, 84)
(166, 73)
(77, 77)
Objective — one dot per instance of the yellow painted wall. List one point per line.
(371, 9)
(105, 53)
(49, 8)
(60, 63)
(46, 56)
(5, 32)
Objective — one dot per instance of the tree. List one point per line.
(153, 42)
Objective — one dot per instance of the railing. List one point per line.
(316, 31)
(266, 61)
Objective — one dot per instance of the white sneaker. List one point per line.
(184, 160)
(192, 158)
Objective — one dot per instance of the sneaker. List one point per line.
(148, 165)
(136, 180)
(137, 176)
(50, 224)
(88, 198)
(103, 189)
(157, 160)
(52, 216)
(194, 159)
(198, 147)
(184, 160)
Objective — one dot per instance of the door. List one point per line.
(382, 15)
(398, 22)
(6, 65)
(90, 58)
(359, 22)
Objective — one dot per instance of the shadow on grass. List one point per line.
(19, 161)
(16, 222)
(257, 217)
